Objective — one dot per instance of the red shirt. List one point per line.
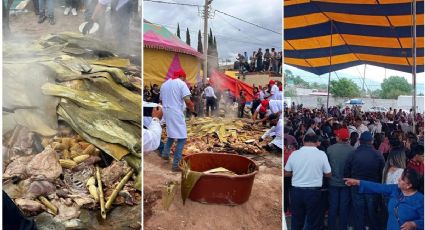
(286, 153)
(418, 167)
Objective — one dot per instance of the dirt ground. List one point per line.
(263, 210)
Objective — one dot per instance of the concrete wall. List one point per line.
(317, 101)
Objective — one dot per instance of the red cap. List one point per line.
(179, 73)
(271, 82)
(264, 103)
(342, 133)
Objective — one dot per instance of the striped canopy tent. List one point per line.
(352, 32)
(164, 53)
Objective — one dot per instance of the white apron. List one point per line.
(176, 123)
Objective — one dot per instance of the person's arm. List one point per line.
(152, 135)
(326, 167)
(254, 116)
(371, 187)
(419, 223)
(287, 173)
(189, 104)
(288, 167)
(268, 133)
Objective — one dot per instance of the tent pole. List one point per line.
(329, 77)
(364, 78)
(414, 65)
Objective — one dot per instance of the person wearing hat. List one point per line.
(339, 193)
(262, 111)
(274, 90)
(365, 163)
(174, 94)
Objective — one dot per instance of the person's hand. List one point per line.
(157, 112)
(351, 182)
(409, 225)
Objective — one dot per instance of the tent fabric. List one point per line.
(223, 82)
(159, 65)
(355, 32)
(158, 37)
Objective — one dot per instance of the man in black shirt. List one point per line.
(365, 163)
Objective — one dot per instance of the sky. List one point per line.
(233, 36)
(373, 73)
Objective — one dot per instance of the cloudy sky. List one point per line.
(374, 73)
(233, 36)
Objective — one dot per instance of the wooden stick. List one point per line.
(118, 189)
(102, 200)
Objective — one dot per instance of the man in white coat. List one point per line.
(174, 94)
(275, 131)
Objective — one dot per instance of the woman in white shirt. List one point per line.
(396, 163)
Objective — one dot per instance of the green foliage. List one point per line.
(344, 88)
(187, 36)
(290, 92)
(178, 30)
(395, 86)
(200, 49)
(376, 93)
(298, 81)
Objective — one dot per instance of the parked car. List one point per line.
(378, 109)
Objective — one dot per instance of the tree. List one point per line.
(344, 88)
(200, 50)
(395, 86)
(187, 36)
(290, 92)
(178, 30)
(297, 80)
(376, 93)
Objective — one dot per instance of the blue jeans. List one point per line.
(42, 7)
(365, 208)
(177, 153)
(306, 209)
(339, 201)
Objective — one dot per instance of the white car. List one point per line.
(378, 109)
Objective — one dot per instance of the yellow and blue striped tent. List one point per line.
(352, 32)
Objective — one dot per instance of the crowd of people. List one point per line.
(357, 168)
(207, 98)
(178, 97)
(270, 60)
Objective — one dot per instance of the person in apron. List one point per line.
(174, 94)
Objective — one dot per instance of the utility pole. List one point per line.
(206, 12)
(414, 66)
